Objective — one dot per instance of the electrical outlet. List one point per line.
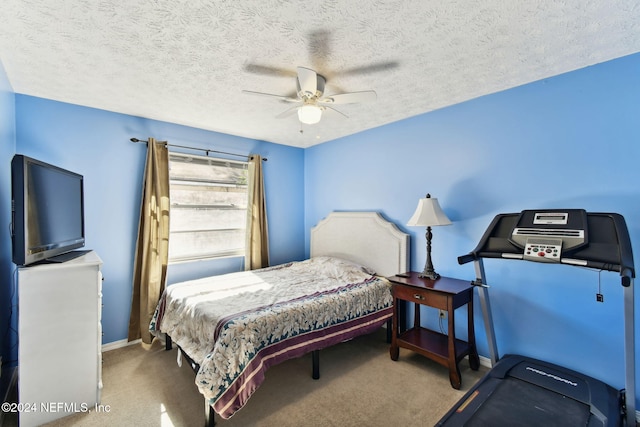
(442, 314)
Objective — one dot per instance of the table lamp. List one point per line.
(428, 213)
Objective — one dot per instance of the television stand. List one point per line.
(67, 256)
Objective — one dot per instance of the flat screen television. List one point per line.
(47, 212)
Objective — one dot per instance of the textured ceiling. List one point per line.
(187, 61)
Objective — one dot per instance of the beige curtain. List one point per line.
(257, 247)
(152, 246)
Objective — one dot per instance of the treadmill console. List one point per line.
(598, 240)
(544, 250)
(545, 234)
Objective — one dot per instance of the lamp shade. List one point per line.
(428, 213)
(309, 114)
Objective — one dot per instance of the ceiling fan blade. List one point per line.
(319, 47)
(331, 109)
(271, 95)
(371, 68)
(307, 81)
(269, 70)
(288, 112)
(350, 98)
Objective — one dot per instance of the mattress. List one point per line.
(237, 325)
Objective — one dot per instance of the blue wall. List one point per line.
(95, 143)
(571, 141)
(8, 324)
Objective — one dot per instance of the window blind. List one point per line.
(208, 207)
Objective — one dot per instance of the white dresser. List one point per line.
(60, 339)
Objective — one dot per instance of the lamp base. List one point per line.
(429, 272)
(429, 275)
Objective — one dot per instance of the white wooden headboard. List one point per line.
(362, 237)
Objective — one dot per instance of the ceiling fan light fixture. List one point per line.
(309, 114)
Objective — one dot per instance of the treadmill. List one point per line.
(522, 391)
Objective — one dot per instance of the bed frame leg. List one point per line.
(389, 329)
(209, 415)
(168, 344)
(315, 357)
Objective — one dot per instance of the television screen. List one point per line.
(48, 210)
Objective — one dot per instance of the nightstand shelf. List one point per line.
(434, 344)
(444, 294)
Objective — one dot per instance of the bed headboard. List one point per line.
(362, 237)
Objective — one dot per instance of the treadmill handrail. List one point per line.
(627, 269)
(474, 254)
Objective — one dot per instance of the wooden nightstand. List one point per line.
(444, 293)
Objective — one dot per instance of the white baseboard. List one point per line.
(119, 344)
(485, 361)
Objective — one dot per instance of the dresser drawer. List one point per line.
(419, 296)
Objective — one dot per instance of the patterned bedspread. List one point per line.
(235, 326)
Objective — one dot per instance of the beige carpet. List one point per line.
(359, 385)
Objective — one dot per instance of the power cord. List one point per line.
(599, 295)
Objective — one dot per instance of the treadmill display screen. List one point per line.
(551, 218)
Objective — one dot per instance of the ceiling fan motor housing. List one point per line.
(305, 95)
(310, 103)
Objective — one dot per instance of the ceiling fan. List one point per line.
(310, 99)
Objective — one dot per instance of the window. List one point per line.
(208, 207)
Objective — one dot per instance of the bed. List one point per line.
(233, 327)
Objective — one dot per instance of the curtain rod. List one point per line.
(207, 151)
